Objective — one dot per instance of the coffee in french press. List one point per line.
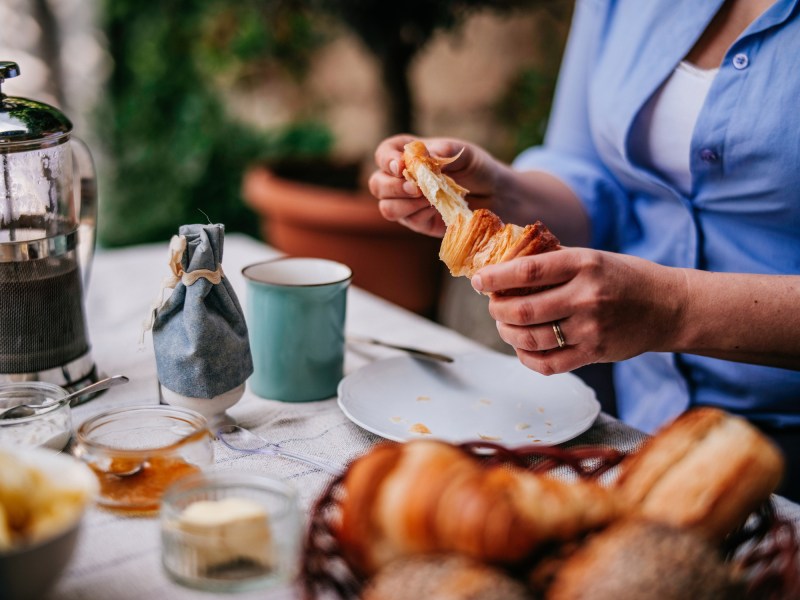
(48, 215)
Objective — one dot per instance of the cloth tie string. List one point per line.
(177, 246)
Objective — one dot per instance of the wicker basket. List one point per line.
(764, 550)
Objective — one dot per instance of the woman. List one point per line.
(671, 171)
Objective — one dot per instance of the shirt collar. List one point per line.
(775, 15)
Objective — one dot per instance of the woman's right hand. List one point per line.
(401, 200)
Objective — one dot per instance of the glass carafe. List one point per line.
(48, 213)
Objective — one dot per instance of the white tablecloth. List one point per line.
(119, 557)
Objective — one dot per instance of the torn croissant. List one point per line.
(473, 239)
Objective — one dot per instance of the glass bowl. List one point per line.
(51, 427)
(226, 532)
(138, 452)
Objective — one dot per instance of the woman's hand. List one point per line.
(401, 200)
(609, 307)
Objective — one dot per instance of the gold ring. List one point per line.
(559, 335)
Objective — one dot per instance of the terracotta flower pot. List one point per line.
(387, 259)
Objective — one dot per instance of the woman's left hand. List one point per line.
(608, 306)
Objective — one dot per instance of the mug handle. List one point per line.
(85, 177)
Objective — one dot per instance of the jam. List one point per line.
(136, 485)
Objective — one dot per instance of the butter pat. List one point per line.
(226, 532)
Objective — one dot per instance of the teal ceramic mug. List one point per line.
(295, 315)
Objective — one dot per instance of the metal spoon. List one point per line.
(418, 352)
(27, 410)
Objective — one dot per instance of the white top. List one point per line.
(662, 135)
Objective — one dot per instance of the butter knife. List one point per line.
(426, 354)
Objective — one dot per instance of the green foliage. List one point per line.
(174, 149)
(236, 37)
(525, 108)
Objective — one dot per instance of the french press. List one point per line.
(48, 214)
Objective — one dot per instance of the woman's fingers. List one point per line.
(427, 221)
(401, 200)
(389, 154)
(550, 362)
(535, 308)
(534, 338)
(542, 270)
(608, 307)
(387, 187)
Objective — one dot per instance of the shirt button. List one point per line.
(708, 155)
(740, 61)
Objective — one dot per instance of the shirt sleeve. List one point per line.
(568, 152)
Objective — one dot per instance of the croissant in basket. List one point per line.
(427, 496)
(473, 239)
(701, 476)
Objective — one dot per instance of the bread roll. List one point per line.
(473, 239)
(634, 559)
(443, 577)
(706, 471)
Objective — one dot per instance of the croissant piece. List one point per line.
(705, 472)
(427, 497)
(440, 189)
(473, 239)
(483, 239)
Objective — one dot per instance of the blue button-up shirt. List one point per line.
(743, 211)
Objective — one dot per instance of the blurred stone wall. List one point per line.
(61, 54)
(457, 81)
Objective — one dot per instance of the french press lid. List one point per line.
(24, 121)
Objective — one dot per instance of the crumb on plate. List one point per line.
(419, 428)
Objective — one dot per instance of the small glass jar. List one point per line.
(138, 452)
(50, 427)
(226, 532)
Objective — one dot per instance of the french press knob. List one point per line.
(8, 70)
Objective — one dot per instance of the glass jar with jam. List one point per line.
(138, 452)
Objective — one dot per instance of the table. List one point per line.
(119, 557)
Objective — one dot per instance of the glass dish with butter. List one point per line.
(226, 531)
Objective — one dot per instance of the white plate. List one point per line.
(487, 396)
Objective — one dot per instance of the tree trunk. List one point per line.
(395, 63)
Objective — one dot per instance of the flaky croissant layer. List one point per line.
(483, 239)
(473, 239)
